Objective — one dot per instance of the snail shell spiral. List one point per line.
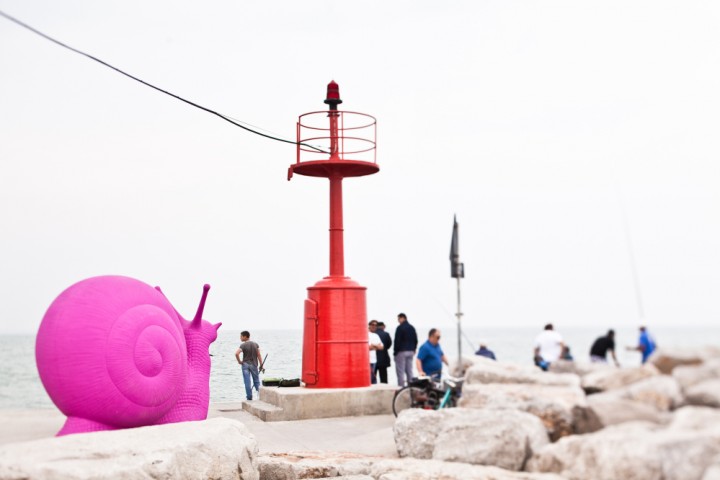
(111, 349)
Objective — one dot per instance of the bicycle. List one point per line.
(424, 393)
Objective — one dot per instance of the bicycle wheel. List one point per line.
(409, 397)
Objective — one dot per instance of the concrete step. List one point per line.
(266, 412)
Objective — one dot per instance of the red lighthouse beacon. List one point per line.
(335, 144)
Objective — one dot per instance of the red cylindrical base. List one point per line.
(335, 347)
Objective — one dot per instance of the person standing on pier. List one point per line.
(430, 357)
(251, 361)
(374, 345)
(383, 356)
(405, 345)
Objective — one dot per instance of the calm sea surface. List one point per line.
(20, 386)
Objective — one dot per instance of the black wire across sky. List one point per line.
(177, 97)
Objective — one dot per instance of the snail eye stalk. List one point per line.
(198, 316)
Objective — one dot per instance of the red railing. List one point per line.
(355, 140)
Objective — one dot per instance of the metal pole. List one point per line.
(337, 249)
(459, 316)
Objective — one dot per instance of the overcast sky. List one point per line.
(531, 121)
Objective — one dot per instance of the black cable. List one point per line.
(47, 37)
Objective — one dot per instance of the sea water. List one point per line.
(20, 386)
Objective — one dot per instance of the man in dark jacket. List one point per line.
(383, 356)
(406, 342)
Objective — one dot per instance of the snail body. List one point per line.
(112, 353)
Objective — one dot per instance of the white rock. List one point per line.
(612, 411)
(306, 465)
(486, 371)
(578, 368)
(484, 437)
(666, 359)
(713, 471)
(219, 448)
(705, 393)
(508, 395)
(415, 432)
(661, 392)
(692, 418)
(562, 409)
(613, 378)
(630, 451)
(689, 375)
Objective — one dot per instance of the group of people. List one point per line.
(429, 360)
(550, 347)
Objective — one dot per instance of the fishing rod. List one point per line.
(261, 369)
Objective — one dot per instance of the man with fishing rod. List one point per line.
(252, 363)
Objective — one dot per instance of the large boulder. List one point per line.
(501, 438)
(692, 418)
(705, 393)
(578, 368)
(562, 409)
(485, 371)
(219, 448)
(689, 375)
(317, 465)
(635, 450)
(661, 392)
(613, 378)
(610, 410)
(666, 359)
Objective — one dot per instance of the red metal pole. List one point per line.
(337, 248)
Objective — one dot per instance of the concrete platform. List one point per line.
(299, 403)
(368, 435)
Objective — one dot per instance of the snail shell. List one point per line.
(111, 349)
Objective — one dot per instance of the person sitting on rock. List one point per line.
(483, 351)
(548, 347)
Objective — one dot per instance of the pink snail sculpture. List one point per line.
(113, 353)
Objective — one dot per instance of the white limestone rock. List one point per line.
(486, 371)
(415, 432)
(662, 392)
(689, 375)
(577, 367)
(502, 438)
(713, 471)
(667, 359)
(699, 419)
(611, 378)
(612, 411)
(562, 409)
(683, 450)
(706, 393)
(219, 448)
(314, 465)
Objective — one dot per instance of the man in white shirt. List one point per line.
(374, 344)
(548, 347)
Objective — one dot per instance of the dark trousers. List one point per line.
(382, 372)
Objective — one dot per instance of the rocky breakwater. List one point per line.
(219, 448)
(657, 421)
(557, 399)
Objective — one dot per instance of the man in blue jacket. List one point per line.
(405, 345)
